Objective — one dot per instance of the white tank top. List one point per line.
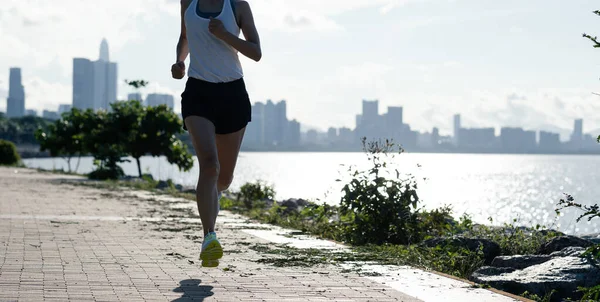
(211, 59)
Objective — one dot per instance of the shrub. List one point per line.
(8, 153)
(380, 205)
(251, 193)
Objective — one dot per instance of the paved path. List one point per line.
(61, 241)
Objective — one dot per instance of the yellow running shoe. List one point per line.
(211, 250)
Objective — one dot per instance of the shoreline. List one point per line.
(164, 188)
(185, 188)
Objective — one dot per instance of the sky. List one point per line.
(497, 63)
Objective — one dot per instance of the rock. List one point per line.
(558, 243)
(189, 189)
(162, 185)
(490, 248)
(569, 251)
(563, 273)
(594, 238)
(519, 261)
(291, 205)
(302, 202)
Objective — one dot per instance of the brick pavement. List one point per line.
(60, 241)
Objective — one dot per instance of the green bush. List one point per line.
(381, 205)
(8, 153)
(252, 193)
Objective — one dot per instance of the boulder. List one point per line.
(490, 248)
(558, 243)
(519, 261)
(162, 185)
(291, 205)
(565, 271)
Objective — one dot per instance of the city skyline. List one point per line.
(95, 82)
(498, 63)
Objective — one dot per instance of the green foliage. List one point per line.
(512, 239)
(137, 84)
(66, 137)
(379, 206)
(148, 130)
(589, 212)
(8, 153)
(534, 297)
(252, 194)
(21, 131)
(129, 129)
(590, 294)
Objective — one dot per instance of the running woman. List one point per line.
(214, 105)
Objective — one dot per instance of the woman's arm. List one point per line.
(178, 69)
(250, 47)
(182, 45)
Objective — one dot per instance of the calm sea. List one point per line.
(504, 187)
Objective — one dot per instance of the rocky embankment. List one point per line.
(558, 265)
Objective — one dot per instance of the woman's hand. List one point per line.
(216, 27)
(178, 70)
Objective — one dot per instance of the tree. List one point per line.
(143, 130)
(65, 138)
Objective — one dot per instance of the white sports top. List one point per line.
(211, 59)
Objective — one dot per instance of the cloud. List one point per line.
(515, 97)
(312, 15)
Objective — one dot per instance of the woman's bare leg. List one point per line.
(228, 148)
(202, 132)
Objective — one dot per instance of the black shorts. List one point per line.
(226, 105)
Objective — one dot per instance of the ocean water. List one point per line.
(503, 187)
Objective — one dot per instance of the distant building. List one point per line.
(95, 83)
(255, 133)
(312, 137)
(346, 136)
(370, 124)
(476, 138)
(424, 140)
(435, 137)
(15, 104)
(30, 112)
(456, 128)
(332, 136)
(51, 115)
(135, 97)
(394, 123)
(517, 140)
(64, 108)
(293, 133)
(156, 99)
(577, 135)
(549, 142)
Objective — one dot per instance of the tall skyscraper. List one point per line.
(255, 133)
(456, 132)
(83, 84)
(155, 99)
(577, 135)
(104, 54)
(370, 110)
(281, 121)
(95, 83)
(270, 123)
(15, 104)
